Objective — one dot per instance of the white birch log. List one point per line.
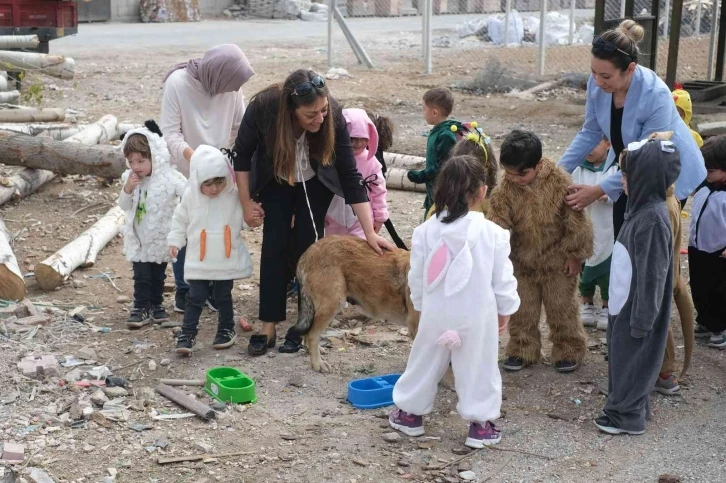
(3, 83)
(19, 41)
(397, 179)
(12, 285)
(124, 127)
(22, 184)
(55, 131)
(52, 65)
(22, 114)
(81, 252)
(100, 132)
(10, 96)
(403, 161)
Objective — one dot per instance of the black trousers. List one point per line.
(619, 213)
(148, 284)
(282, 246)
(708, 287)
(199, 292)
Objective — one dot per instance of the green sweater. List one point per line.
(441, 140)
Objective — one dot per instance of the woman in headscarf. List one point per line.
(202, 104)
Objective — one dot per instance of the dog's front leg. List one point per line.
(312, 341)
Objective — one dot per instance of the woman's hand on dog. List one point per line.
(503, 323)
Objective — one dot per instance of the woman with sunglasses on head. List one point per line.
(626, 102)
(294, 141)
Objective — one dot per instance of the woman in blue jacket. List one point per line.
(627, 102)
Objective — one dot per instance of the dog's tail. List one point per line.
(305, 312)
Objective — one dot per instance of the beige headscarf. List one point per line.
(224, 68)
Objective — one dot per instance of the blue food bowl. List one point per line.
(372, 392)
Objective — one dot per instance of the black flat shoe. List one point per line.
(259, 344)
(290, 346)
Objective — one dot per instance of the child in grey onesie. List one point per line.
(641, 286)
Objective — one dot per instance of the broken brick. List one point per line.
(13, 452)
(38, 366)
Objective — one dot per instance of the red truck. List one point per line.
(48, 19)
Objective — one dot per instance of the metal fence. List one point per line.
(533, 37)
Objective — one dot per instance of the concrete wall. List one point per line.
(128, 10)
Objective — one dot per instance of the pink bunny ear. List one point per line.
(437, 264)
(372, 138)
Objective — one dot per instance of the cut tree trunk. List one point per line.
(56, 131)
(22, 184)
(81, 252)
(100, 132)
(3, 83)
(52, 65)
(19, 41)
(397, 179)
(10, 96)
(403, 161)
(23, 114)
(12, 285)
(67, 157)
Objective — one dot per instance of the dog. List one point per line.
(340, 269)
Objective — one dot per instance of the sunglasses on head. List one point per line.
(304, 88)
(600, 45)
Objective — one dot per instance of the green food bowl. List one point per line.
(228, 384)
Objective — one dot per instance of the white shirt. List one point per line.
(303, 170)
(191, 117)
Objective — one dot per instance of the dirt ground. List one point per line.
(302, 429)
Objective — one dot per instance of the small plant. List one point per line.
(32, 93)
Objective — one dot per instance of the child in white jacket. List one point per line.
(209, 221)
(151, 192)
(462, 282)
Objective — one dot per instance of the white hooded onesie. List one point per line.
(461, 278)
(159, 193)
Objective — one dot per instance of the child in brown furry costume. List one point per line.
(549, 244)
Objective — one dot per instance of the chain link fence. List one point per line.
(529, 37)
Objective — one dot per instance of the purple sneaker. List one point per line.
(408, 424)
(480, 436)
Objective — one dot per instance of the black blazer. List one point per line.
(253, 150)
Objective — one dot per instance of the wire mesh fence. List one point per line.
(532, 37)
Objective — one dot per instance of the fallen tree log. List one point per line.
(19, 41)
(403, 161)
(65, 157)
(57, 131)
(24, 114)
(22, 184)
(12, 285)
(3, 83)
(81, 252)
(100, 132)
(397, 179)
(52, 65)
(10, 96)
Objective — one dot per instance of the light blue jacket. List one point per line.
(649, 108)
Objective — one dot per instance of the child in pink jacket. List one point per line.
(340, 219)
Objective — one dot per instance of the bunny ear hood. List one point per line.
(450, 261)
(361, 126)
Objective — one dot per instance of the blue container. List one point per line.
(372, 392)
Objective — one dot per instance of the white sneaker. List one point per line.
(602, 319)
(587, 314)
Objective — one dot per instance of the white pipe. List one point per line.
(331, 5)
(667, 17)
(506, 22)
(715, 11)
(698, 18)
(429, 14)
(542, 16)
(572, 21)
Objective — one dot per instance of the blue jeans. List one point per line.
(178, 267)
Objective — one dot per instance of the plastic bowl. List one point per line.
(372, 392)
(228, 384)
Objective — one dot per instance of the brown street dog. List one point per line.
(344, 268)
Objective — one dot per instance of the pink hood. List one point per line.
(361, 126)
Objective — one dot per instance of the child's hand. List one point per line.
(503, 323)
(377, 225)
(665, 135)
(131, 183)
(173, 252)
(253, 213)
(604, 198)
(573, 267)
(724, 254)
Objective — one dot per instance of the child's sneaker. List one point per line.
(514, 363)
(225, 338)
(185, 344)
(408, 424)
(138, 318)
(480, 436)
(602, 319)
(606, 425)
(159, 315)
(667, 386)
(718, 340)
(587, 314)
(701, 331)
(566, 366)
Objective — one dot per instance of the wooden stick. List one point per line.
(457, 460)
(499, 468)
(182, 382)
(197, 457)
(200, 409)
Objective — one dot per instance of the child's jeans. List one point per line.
(178, 267)
(587, 289)
(199, 292)
(148, 284)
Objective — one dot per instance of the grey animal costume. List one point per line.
(641, 284)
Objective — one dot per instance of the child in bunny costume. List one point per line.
(340, 219)
(462, 282)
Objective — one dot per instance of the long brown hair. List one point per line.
(321, 144)
(458, 182)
